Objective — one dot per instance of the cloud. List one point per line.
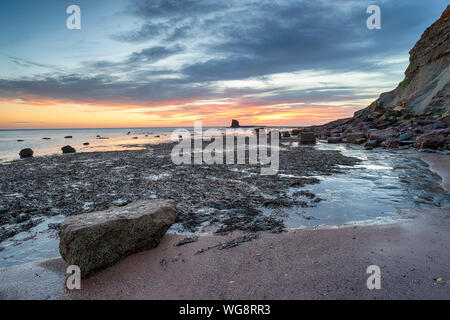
(189, 50)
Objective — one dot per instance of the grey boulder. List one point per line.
(97, 240)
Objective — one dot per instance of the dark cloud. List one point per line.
(176, 8)
(141, 58)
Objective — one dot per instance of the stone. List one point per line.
(352, 137)
(405, 136)
(334, 140)
(360, 141)
(295, 132)
(68, 149)
(391, 143)
(26, 153)
(285, 134)
(306, 137)
(97, 240)
(68, 137)
(372, 143)
(86, 144)
(382, 135)
(429, 140)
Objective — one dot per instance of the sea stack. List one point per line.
(235, 124)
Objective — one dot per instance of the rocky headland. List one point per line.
(416, 114)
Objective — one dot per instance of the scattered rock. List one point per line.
(240, 240)
(95, 241)
(430, 140)
(68, 149)
(334, 139)
(26, 153)
(352, 137)
(382, 135)
(186, 241)
(306, 138)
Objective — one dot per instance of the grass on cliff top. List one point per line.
(406, 83)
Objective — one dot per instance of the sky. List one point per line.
(156, 63)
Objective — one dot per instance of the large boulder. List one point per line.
(95, 241)
(306, 137)
(26, 153)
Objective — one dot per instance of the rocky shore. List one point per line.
(416, 114)
(222, 198)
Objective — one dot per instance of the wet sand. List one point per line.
(441, 166)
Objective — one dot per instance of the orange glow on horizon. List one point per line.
(38, 113)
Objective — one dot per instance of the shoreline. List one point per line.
(301, 264)
(441, 167)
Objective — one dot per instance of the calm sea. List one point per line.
(117, 139)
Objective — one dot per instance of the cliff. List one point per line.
(425, 91)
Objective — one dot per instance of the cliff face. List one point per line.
(425, 91)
